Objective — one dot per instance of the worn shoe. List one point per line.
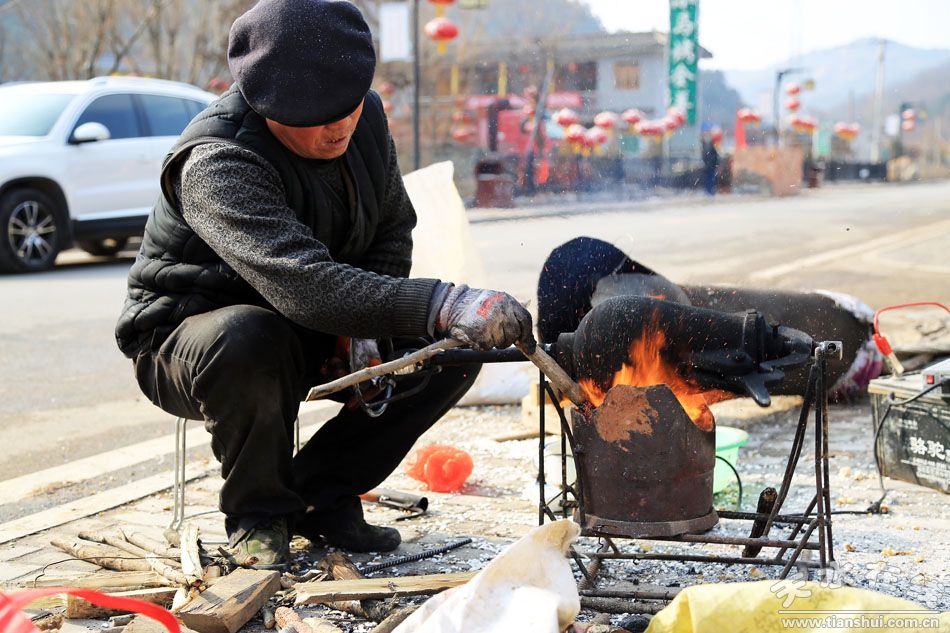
(266, 544)
(352, 533)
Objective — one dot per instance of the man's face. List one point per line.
(320, 141)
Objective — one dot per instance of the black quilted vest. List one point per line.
(176, 274)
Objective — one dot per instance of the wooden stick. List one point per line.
(322, 391)
(122, 544)
(394, 619)
(152, 560)
(556, 374)
(379, 588)
(152, 545)
(106, 581)
(102, 555)
(767, 500)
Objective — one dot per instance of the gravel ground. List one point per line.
(903, 553)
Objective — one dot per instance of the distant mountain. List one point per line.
(718, 100)
(837, 73)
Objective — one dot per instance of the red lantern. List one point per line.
(792, 89)
(847, 131)
(441, 30)
(716, 134)
(669, 123)
(462, 116)
(632, 116)
(575, 133)
(463, 134)
(908, 125)
(606, 120)
(793, 104)
(566, 117)
(909, 114)
(649, 128)
(803, 124)
(677, 115)
(748, 115)
(594, 137)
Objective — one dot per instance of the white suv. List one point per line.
(80, 162)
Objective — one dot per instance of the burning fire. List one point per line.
(647, 368)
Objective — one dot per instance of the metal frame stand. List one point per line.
(810, 529)
(181, 459)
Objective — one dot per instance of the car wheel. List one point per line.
(32, 231)
(103, 248)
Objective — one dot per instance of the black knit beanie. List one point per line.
(302, 62)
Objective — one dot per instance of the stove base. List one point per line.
(596, 526)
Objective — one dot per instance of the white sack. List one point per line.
(442, 239)
(528, 588)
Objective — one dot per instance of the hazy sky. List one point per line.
(756, 33)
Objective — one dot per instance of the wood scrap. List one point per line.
(230, 602)
(79, 609)
(339, 567)
(270, 620)
(49, 620)
(103, 555)
(767, 500)
(379, 588)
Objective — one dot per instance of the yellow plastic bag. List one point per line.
(791, 606)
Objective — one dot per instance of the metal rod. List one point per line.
(642, 594)
(729, 540)
(615, 606)
(696, 558)
(826, 487)
(416, 86)
(542, 504)
(802, 522)
(411, 558)
(798, 550)
(752, 516)
(820, 508)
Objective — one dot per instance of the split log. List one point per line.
(79, 609)
(378, 588)
(102, 555)
(190, 554)
(767, 500)
(231, 602)
(124, 545)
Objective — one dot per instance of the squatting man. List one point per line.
(281, 243)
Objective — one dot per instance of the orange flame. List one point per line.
(647, 367)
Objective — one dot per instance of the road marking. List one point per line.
(891, 240)
(29, 485)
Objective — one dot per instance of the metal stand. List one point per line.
(810, 529)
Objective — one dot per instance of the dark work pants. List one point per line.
(243, 370)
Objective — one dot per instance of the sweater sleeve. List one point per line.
(391, 250)
(234, 200)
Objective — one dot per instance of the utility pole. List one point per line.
(878, 113)
(776, 93)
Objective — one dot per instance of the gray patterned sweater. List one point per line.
(234, 200)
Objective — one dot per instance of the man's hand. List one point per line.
(485, 319)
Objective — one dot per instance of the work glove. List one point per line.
(485, 319)
(350, 355)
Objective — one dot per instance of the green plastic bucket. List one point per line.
(728, 442)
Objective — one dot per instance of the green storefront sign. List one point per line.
(684, 56)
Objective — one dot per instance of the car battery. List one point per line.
(914, 442)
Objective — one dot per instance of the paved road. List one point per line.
(66, 392)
